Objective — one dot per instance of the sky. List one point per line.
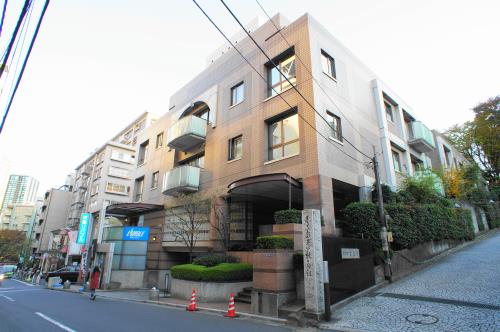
(97, 65)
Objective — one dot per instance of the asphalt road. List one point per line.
(31, 308)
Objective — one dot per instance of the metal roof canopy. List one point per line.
(133, 209)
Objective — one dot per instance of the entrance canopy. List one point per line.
(278, 186)
(132, 209)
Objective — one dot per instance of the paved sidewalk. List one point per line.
(459, 293)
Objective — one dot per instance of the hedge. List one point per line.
(274, 242)
(291, 216)
(219, 273)
(214, 259)
(410, 224)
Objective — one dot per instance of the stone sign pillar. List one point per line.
(313, 263)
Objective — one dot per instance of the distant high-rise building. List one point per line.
(21, 189)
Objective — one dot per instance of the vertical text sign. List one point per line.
(313, 261)
(84, 226)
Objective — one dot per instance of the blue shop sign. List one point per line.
(84, 226)
(135, 233)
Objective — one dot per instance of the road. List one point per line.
(460, 293)
(30, 308)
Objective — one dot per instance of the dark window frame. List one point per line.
(331, 62)
(231, 148)
(336, 133)
(233, 96)
(283, 143)
(154, 184)
(278, 60)
(389, 114)
(159, 140)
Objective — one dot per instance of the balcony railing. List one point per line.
(181, 179)
(422, 139)
(187, 133)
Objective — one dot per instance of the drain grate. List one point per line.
(422, 319)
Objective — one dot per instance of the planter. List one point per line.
(293, 231)
(207, 291)
(273, 270)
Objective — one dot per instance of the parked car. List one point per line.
(66, 273)
(7, 271)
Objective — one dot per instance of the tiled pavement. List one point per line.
(460, 293)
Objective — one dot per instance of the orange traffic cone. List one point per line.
(192, 304)
(231, 311)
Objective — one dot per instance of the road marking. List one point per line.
(22, 282)
(8, 298)
(56, 323)
(18, 290)
(2, 288)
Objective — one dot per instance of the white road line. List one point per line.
(56, 323)
(22, 282)
(8, 298)
(6, 288)
(19, 290)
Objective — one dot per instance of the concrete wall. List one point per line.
(128, 279)
(207, 291)
(57, 205)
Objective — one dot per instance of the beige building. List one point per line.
(18, 217)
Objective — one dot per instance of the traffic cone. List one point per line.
(192, 304)
(231, 311)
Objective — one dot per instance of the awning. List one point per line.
(280, 186)
(133, 209)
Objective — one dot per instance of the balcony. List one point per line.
(182, 179)
(422, 139)
(187, 133)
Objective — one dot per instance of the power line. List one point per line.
(279, 31)
(27, 3)
(3, 15)
(286, 78)
(265, 80)
(35, 34)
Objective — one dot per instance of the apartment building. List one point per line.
(21, 189)
(18, 217)
(446, 155)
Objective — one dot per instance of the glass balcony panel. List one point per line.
(423, 139)
(181, 179)
(187, 133)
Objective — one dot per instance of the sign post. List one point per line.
(313, 263)
(85, 237)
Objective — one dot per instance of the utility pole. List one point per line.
(383, 221)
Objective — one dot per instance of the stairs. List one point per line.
(245, 296)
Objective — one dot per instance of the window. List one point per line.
(98, 173)
(277, 82)
(388, 111)
(139, 189)
(235, 148)
(116, 188)
(447, 156)
(237, 93)
(154, 180)
(122, 156)
(396, 161)
(119, 172)
(335, 126)
(328, 64)
(284, 137)
(159, 140)
(409, 128)
(143, 153)
(197, 161)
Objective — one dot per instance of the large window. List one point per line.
(396, 161)
(119, 172)
(116, 188)
(235, 148)
(159, 140)
(154, 180)
(237, 93)
(447, 156)
(139, 189)
(335, 126)
(284, 137)
(143, 153)
(389, 111)
(328, 64)
(277, 82)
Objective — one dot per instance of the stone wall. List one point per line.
(207, 291)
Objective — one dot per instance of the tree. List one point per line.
(11, 245)
(221, 224)
(188, 220)
(479, 140)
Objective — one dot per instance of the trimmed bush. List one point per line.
(361, 222)
(404, 228)
(291, 216)
(214, 259)
(274, 242)
(219, 273)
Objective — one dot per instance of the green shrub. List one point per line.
(421, 188)
(291, 216)
(361, 222)
(274, 242)
(403, 226)
(214, 259)
(219, 273)
(388, 196)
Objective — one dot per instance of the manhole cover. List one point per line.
(422, 319)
